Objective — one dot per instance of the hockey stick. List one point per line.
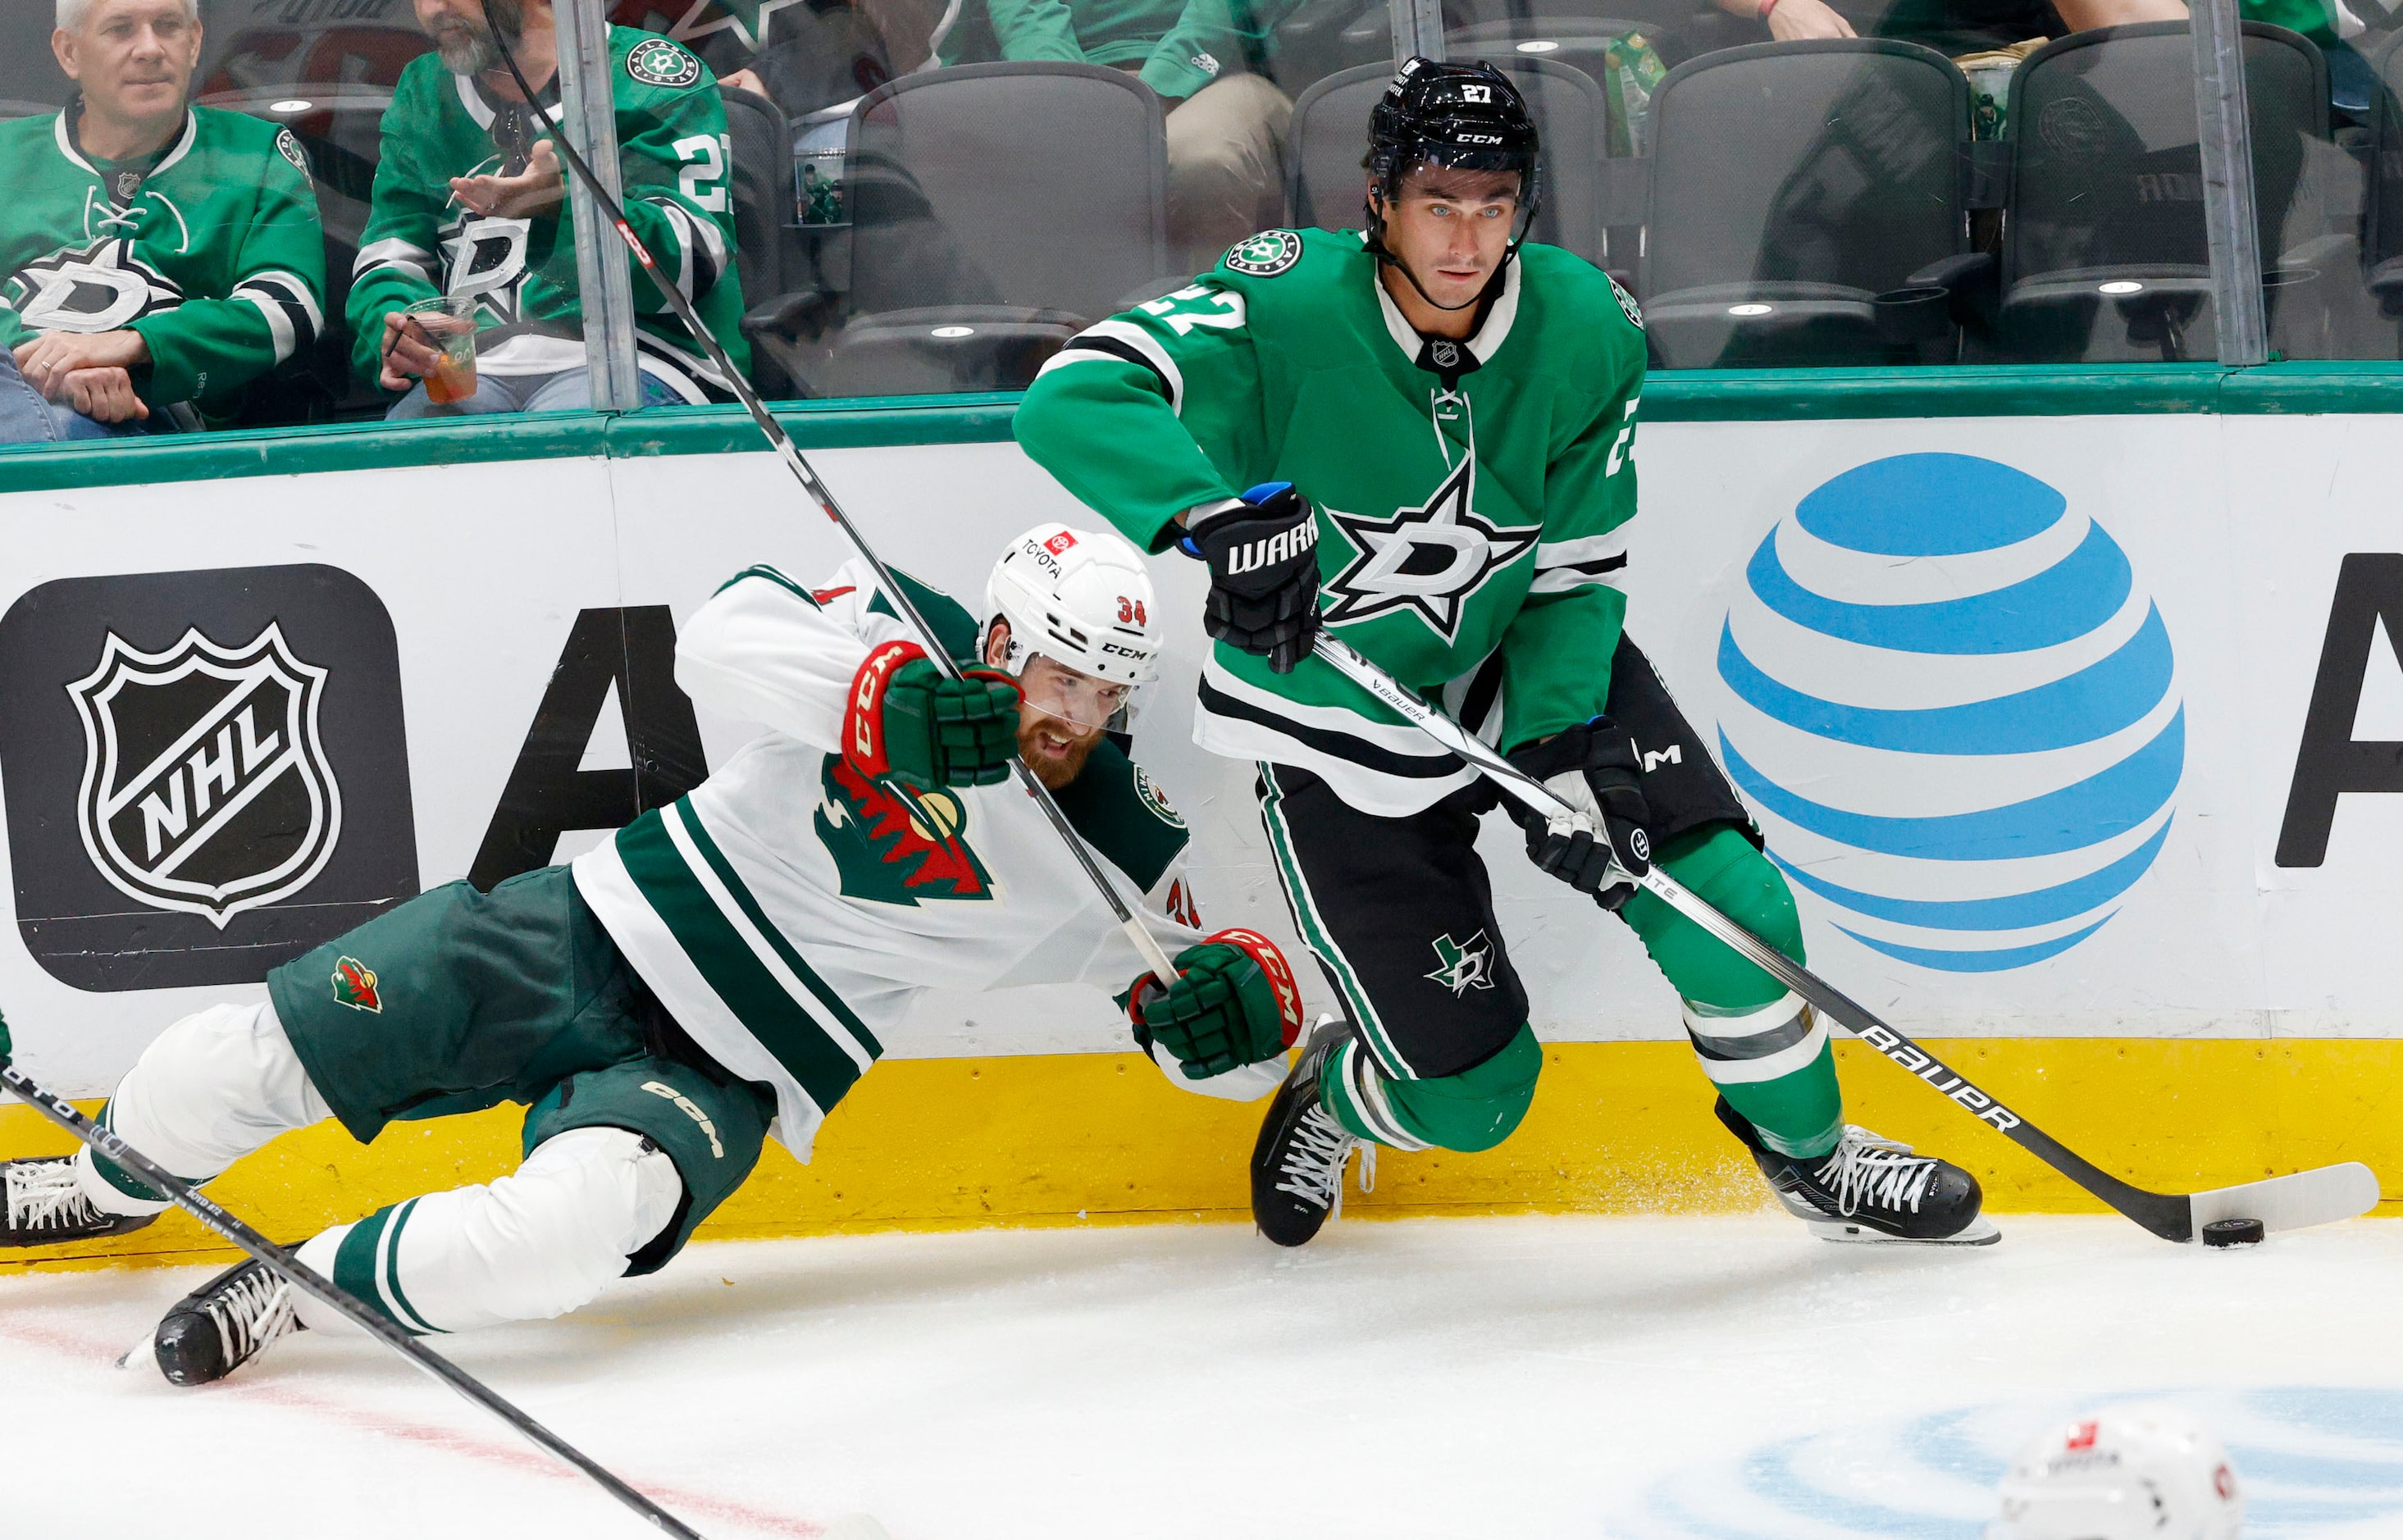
(309, 1281)
(2317, 1197)
(1145, 945)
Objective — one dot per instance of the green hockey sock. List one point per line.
(1765, 1050)
(1474, 1110)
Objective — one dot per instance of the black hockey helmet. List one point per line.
(1467, 116)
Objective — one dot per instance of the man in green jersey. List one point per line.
(1442, 418)
(470, 202)
(155, 257)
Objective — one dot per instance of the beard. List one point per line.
(1054, 774)
(468, 46)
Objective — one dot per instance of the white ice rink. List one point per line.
(1624, 1377)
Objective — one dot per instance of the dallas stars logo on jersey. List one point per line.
(101, 287)
(891, 852)
(1464, 966)
(1431, 558)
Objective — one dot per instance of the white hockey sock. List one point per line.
(531, 1246)
(210, 1090)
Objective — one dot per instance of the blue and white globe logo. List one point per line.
(1955, 710)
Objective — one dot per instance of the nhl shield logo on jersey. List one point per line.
(1429, 559)
(661, 62)
(1265, 254)
(891, 851)
(102, 287)
(205, 787)
(1464, 966)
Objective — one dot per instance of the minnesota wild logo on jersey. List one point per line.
(1431, 558)
(893, 851)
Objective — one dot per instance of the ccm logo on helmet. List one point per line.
(1480, 139)
(1280, 546)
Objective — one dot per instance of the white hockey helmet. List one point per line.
(1081, 598)
(2133, 1473)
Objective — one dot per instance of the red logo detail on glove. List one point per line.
(863, 716)
(1280, 975)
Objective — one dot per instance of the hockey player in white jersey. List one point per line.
(720, 972)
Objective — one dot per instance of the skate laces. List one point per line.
(253, 1309)
(1312, 1170)
(43, 1195)
(1866, 1168)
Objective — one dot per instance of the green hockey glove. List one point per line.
(1235, 1004)
(909, 721)
(7, 1047)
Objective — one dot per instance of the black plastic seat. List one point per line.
(1326, 186)
(2104, 253)
(996, 210)
(1806, 207)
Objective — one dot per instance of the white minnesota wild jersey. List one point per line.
(788, 910)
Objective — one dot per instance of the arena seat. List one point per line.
(2381, 222)
(1324, 182)
(2104, 253)
(1807, 207)
(767, 257)
(996, 210)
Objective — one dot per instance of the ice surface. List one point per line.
(1623, 1378)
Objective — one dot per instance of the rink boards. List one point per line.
(2081, 735)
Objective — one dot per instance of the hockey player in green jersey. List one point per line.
(469, 201)
(155, 257)
(1436, 421)
(722, 971)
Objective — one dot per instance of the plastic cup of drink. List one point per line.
(448, 322)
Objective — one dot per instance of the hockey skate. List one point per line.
(1872, 1190)
(1297, 1165)
(224, 1324)
(44, 1207)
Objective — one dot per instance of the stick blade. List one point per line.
(2321, 1196)
(856, 1526)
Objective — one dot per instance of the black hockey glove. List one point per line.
(1235, 1004)
(1594, 768)
(1263, 561)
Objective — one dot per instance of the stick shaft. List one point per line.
(317, 1288)
(2166, 1215)
(1146, 946)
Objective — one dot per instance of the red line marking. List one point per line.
(682, 1501)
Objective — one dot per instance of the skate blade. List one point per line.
(1979, 1231)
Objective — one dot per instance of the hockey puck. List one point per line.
(2233, 1232)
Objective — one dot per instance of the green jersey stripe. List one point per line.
(758, 917)
(1313, 930)
(388, 1271)
(772, 575)
(728, 964)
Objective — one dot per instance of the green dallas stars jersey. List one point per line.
(1470, 537)
(676, 166)
(214, 255)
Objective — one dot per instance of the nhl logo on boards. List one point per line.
(204, 749)
(206, 772)
(1265, 254)
(661, 62)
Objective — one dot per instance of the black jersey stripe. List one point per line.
(1120, 349)
(1336, 745)
(1597, 567)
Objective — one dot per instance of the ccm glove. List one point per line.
(1594, 768)
(1263, 556)
(1235, 1004)
(906, 720)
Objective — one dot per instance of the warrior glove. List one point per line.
(1263, 556)
(1600, 845)
(907, 721)
(1234, 1003)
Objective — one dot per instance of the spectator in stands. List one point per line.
(1225, 125)
(159, 257)
(470, 202)
(1951, 27)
